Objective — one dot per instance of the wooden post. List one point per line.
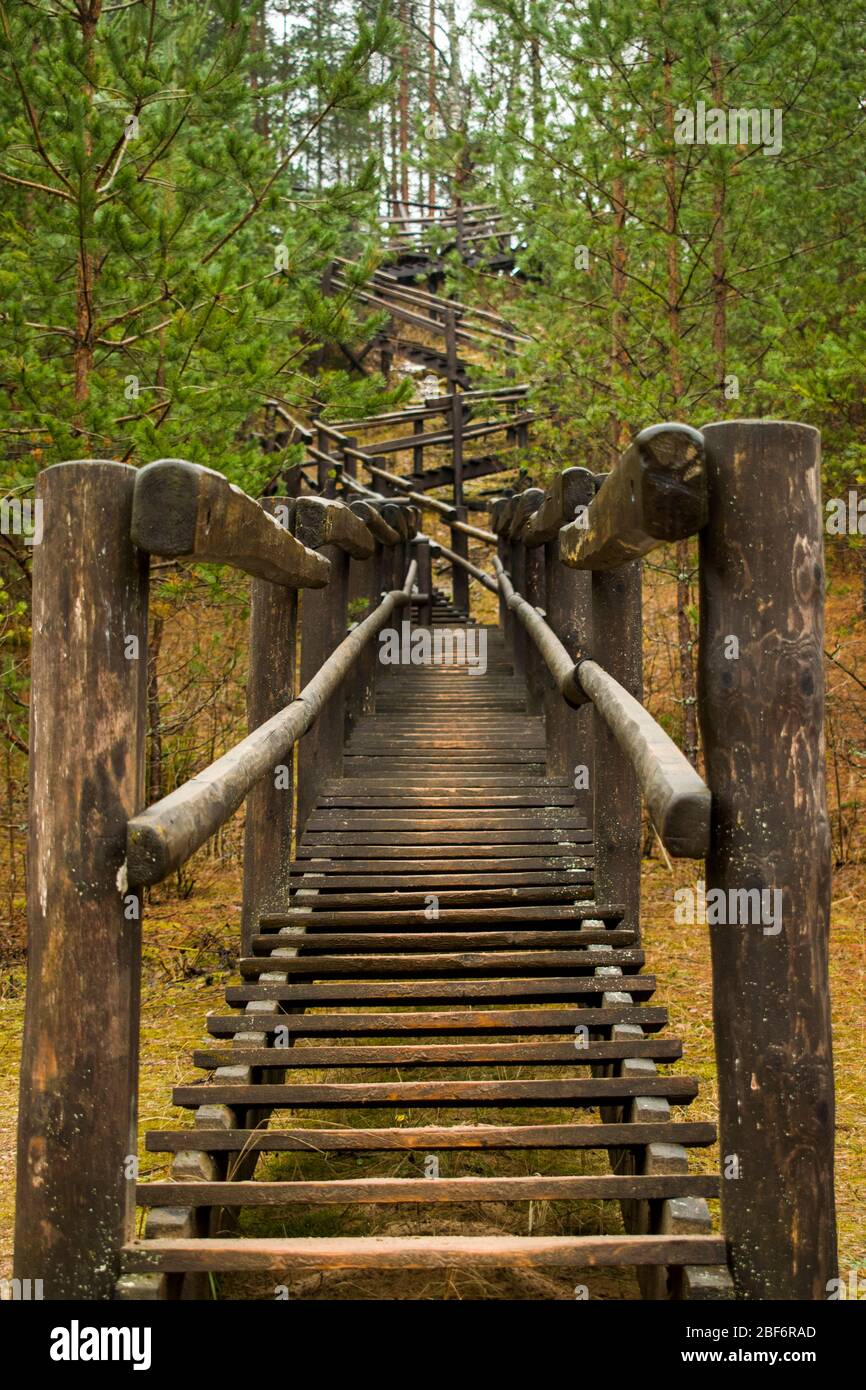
(364, 587)
(517, 569)
(421, 553)
(77, 1140)
(503, 550)
(459, 577)
(323, 627)
(761, 703)
(323, 444)
(616, 626)
(350, 463)
(537, 678)
(418, 451)
(456, 404)
(270, 687)
(568, 599)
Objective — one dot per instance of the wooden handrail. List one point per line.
(164, 836)
(185, 511)
(438, 548)
(677, 799)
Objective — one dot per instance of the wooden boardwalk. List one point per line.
(443, 952)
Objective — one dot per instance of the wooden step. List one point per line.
(321, 916)
(430, 1138)
(301, 1253)
(311, 942)
(567, 1091)
(457, 1023)
(554, 989)
(468, 963)
(435, 1055)
(426, 1191)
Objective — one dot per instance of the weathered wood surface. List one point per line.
(375, 522)
(319, 521)
(561, 665)
(526, 504)
(79, 1066)
(181, 509)
(270, 688)
(460, 571)
(656, 493)
(437, 1138)
(575, 487)
(678, 800)
(421, 1252)
(761, 704)
(323, 626)
(166, 834)
(616, 620)
(339, 1191)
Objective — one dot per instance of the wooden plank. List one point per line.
(657, 493)
(424, 1191)
(457, 1023)
(571, 1091)
(433, 1138)
(181, 509)
(308, 1057)
(465, 963)
(554, 989)
(302, 1254)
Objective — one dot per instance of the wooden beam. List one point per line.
(319, 521)
(572, 488)
(181, 509)
(656, 493)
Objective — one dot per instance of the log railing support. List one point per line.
(534, 592)
(568, 601)
(459, 577)
(421, 552)
(761, 682)
(77, 1139)
(270, 687)
(616, 621)
(323, 626)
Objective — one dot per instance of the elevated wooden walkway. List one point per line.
(442, 953)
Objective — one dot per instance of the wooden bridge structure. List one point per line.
(441, 888)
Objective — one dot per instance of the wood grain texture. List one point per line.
(87, 735)
(182, 509)
(319, 521)
(656, 493)
(270, 688)
(762, 582)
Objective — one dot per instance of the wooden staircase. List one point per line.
(442, 952)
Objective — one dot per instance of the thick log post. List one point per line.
(568, 600)
(77, 1138)
(616, 622)
(534, 593)
(323, 627)
(516, 567)
(459, 577)
(270, 687)
(761, 701)
(421, 552)
(364, 589)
